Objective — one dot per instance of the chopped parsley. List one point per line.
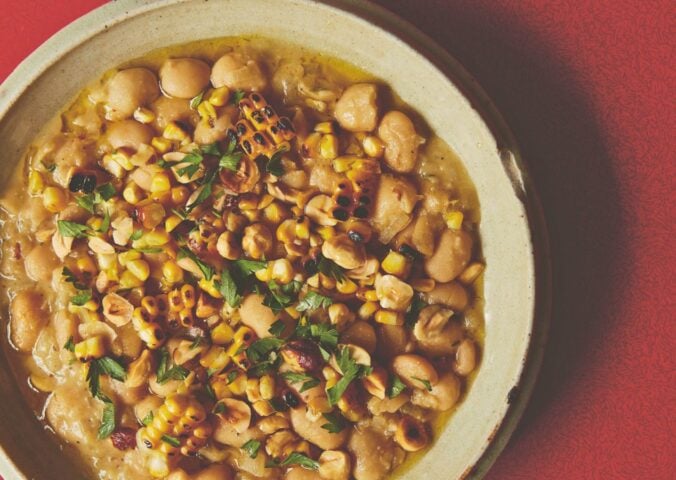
(274, 165)
(107, 426)
(336, 423)
(69, 345)
(281, 296)
(81, 297)
(426, 383)
(196, 100)
(165, 372)
(231, 157)
(251, 448)
(312, 301)
(395, 387)
(276, 328)
(72, 229)
(70, 277)
(331, 269)
(173, 441)
(308, 381)
(207, 270)
(237, 97)
(148, 418)
(228, 289)
(351, 371)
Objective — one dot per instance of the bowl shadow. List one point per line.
(553, 120)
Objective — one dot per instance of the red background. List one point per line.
(588, 87)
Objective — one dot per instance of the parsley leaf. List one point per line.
(205, 192)
(69, 345)
(296, 458)
(312, 301)
(112, 368)
(237, 97)
(278, 298)
(210, 149)
(324, 334)
(276, 328)
(72, 229)
(136, 235)
(228, 288)
(248, 267)
(395, 387)
(196, 100)
(307, 380)
(81, 297)
(93, 374)
(173, 441)
(331, 269)
(426, 383)
(193, 160)
(207, 270)
(274, 165)
(105, 224)
(107, 191)
(231, 158)
(72, 278)
(148, 418)
(414, 309)
(351, 371)
(107, 426)
(261, 348)
(87, 201)
(166, 373)
(336, 422)
(149, 249)
(251, 448)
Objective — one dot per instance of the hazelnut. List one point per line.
(228, 246)
(411, 434)
(257, 241)
(302, 356)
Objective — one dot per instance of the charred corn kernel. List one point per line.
(95, 223)
(367, 310)
(263, 408)
(139, 268)
(176, 404)
(175, 301)
(149, 304)
(132, 193)
(282, 271)
(179, 195)
(373, 146)
(324, 127)
(206, 110)
(129, 255)
(129, 280)
(346, 286)
(171, 272)
(222, 334)
(396, 264)
(471, 273)
(36, 184)
(210, 287)
(215, 359)
(54, 199)
(389, 317)
(143, 115)
(328, 146)
(188, 296)
(172, 222)
(238, 384)
(162, 145)
(89, 349)
(160, 183)
(123, 159)
(243, 336)
(174, 132)
(423, 284)
(266, 386)
(342, 164)
(253, 393)
(318, 405)
(371, 295)
(219, 96)
(186, 318)
(454, 220)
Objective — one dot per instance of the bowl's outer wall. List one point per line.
(126, 29)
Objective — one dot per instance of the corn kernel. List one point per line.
(328, 146)
(346, 286)
(129, 255)
(132, 193)
(243, 336)
(139, 268)
(206, 111)
(266, 387)
(389, 317)
(156, 238)
(264, 274)
(85, 265)
(54, 199)
(396, 264)
(252, 390)
(143, 115)
(129, 280)
(179, 195)
(112, 167)
(210, 287)
(171, 272)
(454, 220)
(36, 184)
(123, 159)
(162, 145)
(367, 310)
(342, 164)
(293, 313)
(219, 96)
(371, 295)
(324, 127)
(373, 146)
(282, 271)
(89, 349)
(174, 132)
(160, 183)
(238, 384)
(172, 222)
(222, 334)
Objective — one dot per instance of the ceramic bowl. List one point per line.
(513, 236)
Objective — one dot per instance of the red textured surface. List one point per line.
(588, 87)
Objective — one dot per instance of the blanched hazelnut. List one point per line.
(235, 71)
(411, 434)
(184, 77)
(236, 414)
(117, 310)
(356, 109)
(345, 252)
(319, 208)
(257, 241)
(396, 130)
(334, 465)
(228, 246)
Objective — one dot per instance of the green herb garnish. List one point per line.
(336, 422)
(308, 381)
(207, 270)
(395, 386)
(312, 301)
(165, 372)
(72, 229)
(251, 448)
(173, 441)
(196, 100)
(351, 371)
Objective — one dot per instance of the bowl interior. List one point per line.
(126, 29)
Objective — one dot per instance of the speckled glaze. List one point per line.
(514, 240)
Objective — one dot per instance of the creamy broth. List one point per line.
(76, 254)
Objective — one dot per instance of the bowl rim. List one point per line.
(72, 35)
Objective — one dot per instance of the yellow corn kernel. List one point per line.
(324, 127)
(188, 296)
(371, 295)
(179, 195)
(149, 304)
(123, 159)
(95, 223)
(128, 256)
(275, 213)
(112, 167)
(326, 282)
(238, 384)
(396, 264)
(143, 115)
(155, 238)
(342, 164)
(210, 287)
(36, 184)
(54, 199)
(471, 273)
(174, 132)
(266, 387)
(219, 96)
(328, 146)
(106, 261)
(282, 271)
(172, 222)
(171, 272)
(313, 281)
(367, 310)
(160, 183)
(206, 110)
(346, 286)
(252, 390)
(85, 264)
(215, 358)
(89, 349)
(303, 229)
(293, 313)
(243, 336)
(264, 274)
(263, 408)
(132, 193)
(139, 268)
(175, 301)
(162, 145)
(389, 317)
(186, 318)
(454, 220)
(129, 280)
(423, 284)
(373, 146)
(222, 334)
(326, 232)
(158, 464)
